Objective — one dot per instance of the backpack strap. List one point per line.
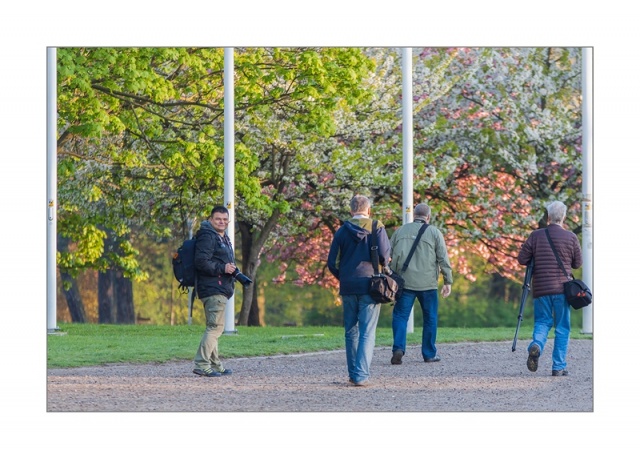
(413, 247)
(375, 260)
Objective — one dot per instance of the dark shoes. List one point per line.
(556, 373)
(435, 359)
(397, 357)
(532, 360)
(211, 373)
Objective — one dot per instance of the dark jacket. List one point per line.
(213, 251)
(547, 275)
(350, 255)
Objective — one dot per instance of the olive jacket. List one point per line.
(429, 260)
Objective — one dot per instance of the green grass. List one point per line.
(94, 344)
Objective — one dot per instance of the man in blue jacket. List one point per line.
(350, 262)
(215, 265)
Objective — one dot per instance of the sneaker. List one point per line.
(361, 383)
(207, 372)
(532, 360)
(435, 359)
(558, 372)
(226, 372)
(397, 357)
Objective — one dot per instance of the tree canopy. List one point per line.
(141, 147)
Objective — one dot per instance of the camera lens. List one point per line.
(242, 278)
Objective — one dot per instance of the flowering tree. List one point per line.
(497, 135)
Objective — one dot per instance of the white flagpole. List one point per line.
(407, 145)
(229, 171)
(587, 188)
(52, 178)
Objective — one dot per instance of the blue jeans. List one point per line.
(360, 315)
(401, 311)
(552, 310)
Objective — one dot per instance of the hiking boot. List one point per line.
(435, 359)
(397, 357)
(207, 372)
(558, 372)
(532, 360)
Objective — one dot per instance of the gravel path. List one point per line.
(472, 377)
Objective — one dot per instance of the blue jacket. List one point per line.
(213, 251)
(350, 255)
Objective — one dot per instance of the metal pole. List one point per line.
(587, 188)
(52, 178)
(229, 171)
(407, 145)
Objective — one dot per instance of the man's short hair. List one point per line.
(219, 209)
(360, 204)
(557, 211)
(422, 211)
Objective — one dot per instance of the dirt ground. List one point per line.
(472, 377)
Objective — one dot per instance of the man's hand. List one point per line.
(446, 290)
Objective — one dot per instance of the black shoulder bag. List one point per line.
(576, 291)
(383, 288)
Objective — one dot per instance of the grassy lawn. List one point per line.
(95, 344)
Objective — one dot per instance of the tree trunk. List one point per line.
(115, 298)
(74, 301)
(255, 318)
(72, 295)
(106, 297)
(124, 299)
(251, 248)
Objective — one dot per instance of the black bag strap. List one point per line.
(375, 260)
(553, 248)
(413, 247)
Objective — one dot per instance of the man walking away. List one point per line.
(350, 262)
(550, 306)
(429, 259)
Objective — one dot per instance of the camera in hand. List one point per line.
(242, 278)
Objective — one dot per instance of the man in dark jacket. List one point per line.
(550, 306)
(350, 262)
(215, 265)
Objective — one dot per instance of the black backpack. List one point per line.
(184, 267)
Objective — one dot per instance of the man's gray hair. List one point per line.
(360, 204)
(556, 211)
(422, 211)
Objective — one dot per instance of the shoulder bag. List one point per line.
(576, 291)
(383, 287)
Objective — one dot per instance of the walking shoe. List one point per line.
(361, 383)
(207, 372)
(397, 357)
(435, 359)
(558, 372)
(532, 360)
(226, 372)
